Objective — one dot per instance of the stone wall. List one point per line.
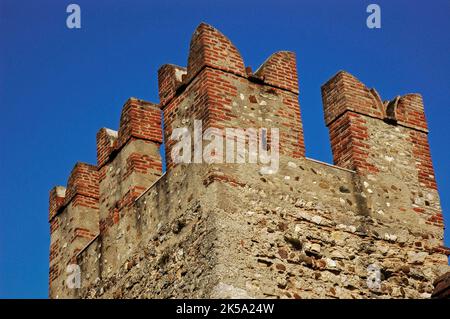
(369, 227)
(442, 287)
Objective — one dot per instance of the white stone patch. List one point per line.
(331, 263)
(390, 237)
(263, 103)
(242, 96)
(225, 291)
(292, 164)
(179, 74)
(366, 184)
(388, 158)
(349, 228)
(316, 219)
(111, 132)
(304, 215)
(267, 170)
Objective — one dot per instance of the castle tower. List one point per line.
(217, 89)
(221, 230)
(382, 140)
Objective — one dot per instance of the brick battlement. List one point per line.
(224, 230)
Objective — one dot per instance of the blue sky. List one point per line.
(59, 86)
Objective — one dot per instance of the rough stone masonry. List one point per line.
(369, 226)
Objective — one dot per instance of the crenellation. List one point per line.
(140, 120)
(82, 182)
(210, 48)
(73, 223)
(280, 70)
(106, 143)
(56, 200)
(170, 78)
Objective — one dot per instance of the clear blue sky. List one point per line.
(59, 86)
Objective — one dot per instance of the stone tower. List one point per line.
(368, 226)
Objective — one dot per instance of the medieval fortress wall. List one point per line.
(369, 227)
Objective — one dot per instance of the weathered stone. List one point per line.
(417, 258)
(306, 259)
(283, 253)
(344, 189)
(295, 242)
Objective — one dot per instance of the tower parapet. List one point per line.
(216, 88)
(73, 223)
(382, 139)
